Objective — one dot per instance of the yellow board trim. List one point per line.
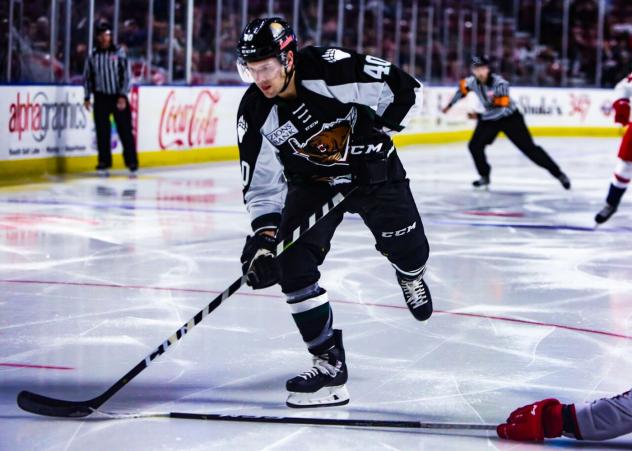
(596, 132)
(41, 169)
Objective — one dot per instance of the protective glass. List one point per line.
(266, 71)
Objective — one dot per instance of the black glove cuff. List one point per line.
(268, 221)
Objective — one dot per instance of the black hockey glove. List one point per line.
(369, 157)
(259, 262)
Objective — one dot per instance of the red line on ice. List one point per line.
(502, 318)
(40, 367)
(339, 301)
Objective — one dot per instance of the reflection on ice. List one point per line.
(531, 302)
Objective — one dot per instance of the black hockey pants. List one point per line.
(516, 130)
(388, 210)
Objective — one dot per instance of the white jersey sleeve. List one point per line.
(262, 172)
(605, 418)
(623, 89)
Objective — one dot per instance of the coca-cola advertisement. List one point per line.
(187, 118)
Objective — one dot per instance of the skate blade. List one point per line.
(325, 397)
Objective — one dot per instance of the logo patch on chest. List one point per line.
(328, 146)
(282, 134)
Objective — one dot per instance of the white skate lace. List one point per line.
(320, 366)
(415, 292)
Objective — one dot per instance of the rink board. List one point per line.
(46, 130)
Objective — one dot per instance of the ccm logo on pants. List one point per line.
(401, 232)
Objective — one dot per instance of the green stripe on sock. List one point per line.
(308, 316)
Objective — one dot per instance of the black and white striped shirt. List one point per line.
(493, 95)
(106, 72)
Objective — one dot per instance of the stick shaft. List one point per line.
(330, 421)
(44, 405)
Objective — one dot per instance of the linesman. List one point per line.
(106, 76)
(501, 115)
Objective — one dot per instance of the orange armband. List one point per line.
(502, 101)
(463, 87)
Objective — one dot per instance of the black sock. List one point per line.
(614, 195)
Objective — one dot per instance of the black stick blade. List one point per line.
(43, 405)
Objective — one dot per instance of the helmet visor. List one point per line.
(259, 71)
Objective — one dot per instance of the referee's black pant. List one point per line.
(104, 105)
(516, 130)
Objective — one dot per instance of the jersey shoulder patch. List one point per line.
(242, 128)
(333, 55)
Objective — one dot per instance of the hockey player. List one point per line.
(600, 420)
(313, 123)
(501, 115)
(623, 169)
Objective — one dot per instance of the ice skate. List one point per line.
(323, 385)
(482, 183)
(102, 170)
(564, 180)
(416, 295)
(605, 213)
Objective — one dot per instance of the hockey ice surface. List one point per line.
(97, 272)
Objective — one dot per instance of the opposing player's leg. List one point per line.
(391, 214)
(484, 134)
(324, 383)
(518, 133)
(621, 179)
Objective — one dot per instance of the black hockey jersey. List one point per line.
(347, 104)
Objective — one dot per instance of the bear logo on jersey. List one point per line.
(329, 145)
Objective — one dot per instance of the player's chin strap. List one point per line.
(288, 79)
(288, 75)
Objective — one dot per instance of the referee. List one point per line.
(106, 75)
(501, 115)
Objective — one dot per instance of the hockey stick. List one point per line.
(304, 421)
(43, 405)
